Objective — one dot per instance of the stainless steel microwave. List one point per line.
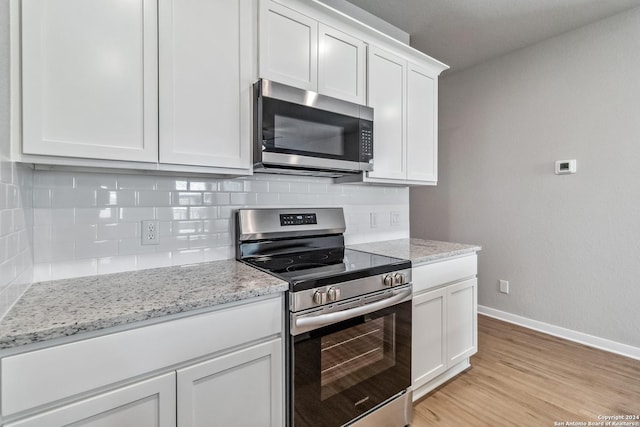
(304, 133)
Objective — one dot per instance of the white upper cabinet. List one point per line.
(288, 46)
(341, 65)
(206, 72)
(387, 96)
(308, 54)
(404, 96)
(89, 79)
(422, 131)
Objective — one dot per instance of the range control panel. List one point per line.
(298, 219)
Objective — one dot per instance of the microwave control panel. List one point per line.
(366, 140)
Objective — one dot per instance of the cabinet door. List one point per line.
(428, 350)
(462, 321)
(422, 148)
(206, 51)
(150, 403)
(89, 79)
(244, 388)
(288, 46)
(387, 88)
(341, 71)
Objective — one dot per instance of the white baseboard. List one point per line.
(568, 334)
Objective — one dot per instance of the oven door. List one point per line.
(342, 370)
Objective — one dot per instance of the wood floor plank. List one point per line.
(521, 377)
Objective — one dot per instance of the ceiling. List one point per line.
(463, 33)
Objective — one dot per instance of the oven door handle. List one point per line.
(313, 322)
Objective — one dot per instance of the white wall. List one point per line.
(15, 194)
(569, 245)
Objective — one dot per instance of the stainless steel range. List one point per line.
(349, 322)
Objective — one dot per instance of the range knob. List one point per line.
(388, 280)
(333, 294)
(320, 297)
(399, 278)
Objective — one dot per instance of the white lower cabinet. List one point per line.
(429, 356)
(222, 368)
(150, 403)
(444, 321)
(241, 388)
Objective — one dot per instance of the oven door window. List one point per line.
(297, 129)
(344, 370)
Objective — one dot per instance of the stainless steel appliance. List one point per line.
(304, 133)
(349, 320)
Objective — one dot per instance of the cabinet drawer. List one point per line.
(439, 273)
(43, 376)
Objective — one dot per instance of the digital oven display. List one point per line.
(298, 219)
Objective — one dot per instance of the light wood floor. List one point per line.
(520, 377)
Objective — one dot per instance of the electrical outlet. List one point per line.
(504, 286)
(150, 232)
(373, 218)
(395, 218)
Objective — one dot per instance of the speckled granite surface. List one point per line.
(419, 251)
(67, 307)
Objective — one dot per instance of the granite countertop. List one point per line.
(67, 307)
(419, 251)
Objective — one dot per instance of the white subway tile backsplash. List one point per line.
(166, 183)
(86, 215)
(136, 214)
(74, 268)
(217, 254)
(217, 226)
(117, 231)
(172, 213)
(203, 212)
(187, 227)
(216, 199)
(13, 197)
(48, 179)
(41, 271)
(268, 199)
(41, 198)
(278, 187)
(195, 214)
(245, 199)
(255, 186)
(183, 198)
(154, 198)
(3, 195)
(16, 228)
(6, 222)
(96, 181)
(136, 182)
(134, 247)
(202, 186)
(231, 185)
(187, 256)
(116, 264)
(153, 260)
(203, 241)
(173, 243)
(115, 198)
(96, 249)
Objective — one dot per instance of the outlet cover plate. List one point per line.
(150, 232)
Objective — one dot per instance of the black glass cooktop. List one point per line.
(307, 270)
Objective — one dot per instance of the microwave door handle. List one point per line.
(314, 322)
